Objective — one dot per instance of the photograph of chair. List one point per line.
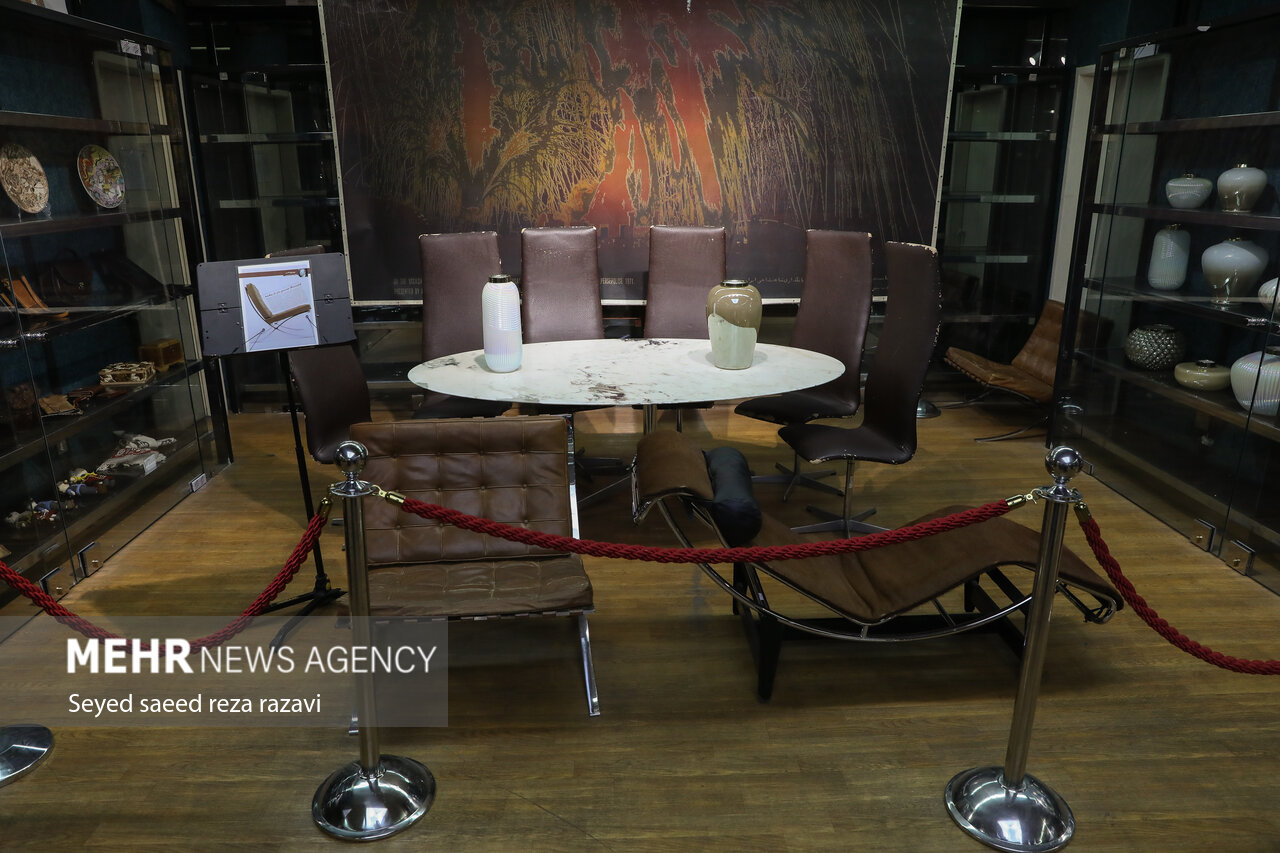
(272, 329)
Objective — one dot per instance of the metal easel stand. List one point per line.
(21, 749)
(1007, 808)
(377, 795)
(321, 593)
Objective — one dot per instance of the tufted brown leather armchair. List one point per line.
(514, 470)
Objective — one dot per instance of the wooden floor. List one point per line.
(1152, 749)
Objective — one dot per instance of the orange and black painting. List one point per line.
(765, 116)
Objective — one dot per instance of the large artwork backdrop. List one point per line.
(765, 116)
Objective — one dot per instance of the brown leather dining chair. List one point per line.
(685, 262)
(334, 395)
(560, 284)
(455, 268)
(513, 470)
(560, 301)
(895, 380)
(835, 305)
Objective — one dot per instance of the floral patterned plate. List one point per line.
(101, 176)
(23, 178)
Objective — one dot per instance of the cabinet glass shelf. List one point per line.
(36, 224)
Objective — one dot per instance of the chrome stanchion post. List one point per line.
(21, 749)
(378, 795)
(1007, 808)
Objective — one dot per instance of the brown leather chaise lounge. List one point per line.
(887, 594)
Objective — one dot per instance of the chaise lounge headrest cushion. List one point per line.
(734, 506)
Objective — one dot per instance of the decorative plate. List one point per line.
(100, 175)
(23, 178)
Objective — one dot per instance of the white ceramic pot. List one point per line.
(500, 309)
(1203, 375)
(1267, 296)
(1255, 380)
(1155, 347)
(1188, 192)
(1232, 268)
(1169, 252)
(1240, 187)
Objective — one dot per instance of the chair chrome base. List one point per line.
(1032, 818)
(358, 806)
(836, 523)
(22, 748)
(793, 477)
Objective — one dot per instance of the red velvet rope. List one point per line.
(1159, 625)
(50, 605)
(758, 553)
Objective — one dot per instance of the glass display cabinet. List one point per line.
(1000, 176)
(266, 162)
(1178, 238)
(105, 422)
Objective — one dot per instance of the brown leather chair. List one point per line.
(514, 470)
(895, 380)
(560, 284)
(835, 306)
(455, 268)
(685, 262)
(560, 301)
(1031, 374)
(867, 596)
(334, 395)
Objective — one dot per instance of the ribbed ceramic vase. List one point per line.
(1240, 187)
(1267, 296)
(1188, 192)
(1155, 347)
(1232, 268)
(1170, 250)
(733, 323)
(1255, 381)
(500, 308)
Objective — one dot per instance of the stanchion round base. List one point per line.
(926, 409)
(21, 749)
(1031, 819)
(358, 806)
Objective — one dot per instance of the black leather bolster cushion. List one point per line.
(734, 507)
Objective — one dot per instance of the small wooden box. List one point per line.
(164, 354)
(127, 373)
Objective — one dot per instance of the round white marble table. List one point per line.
(625, 372)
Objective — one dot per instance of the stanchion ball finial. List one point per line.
(350, 458)
(1063, 463)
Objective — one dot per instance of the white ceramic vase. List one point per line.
(1188, 192)
(1255, 381)
(1169, 252)
(500, 309)
(1267, 296)
(1240, 187)
(1232, 268)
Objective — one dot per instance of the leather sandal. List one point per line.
(29, 299)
